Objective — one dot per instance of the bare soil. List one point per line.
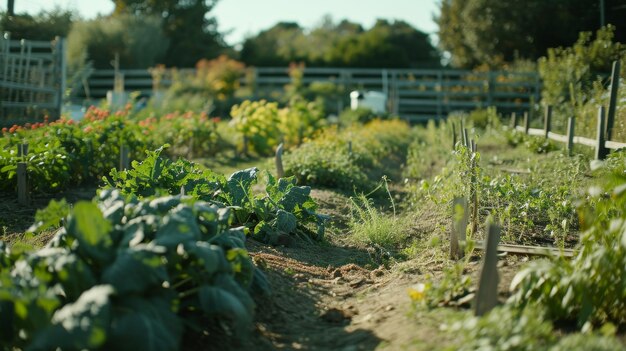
(334, 296)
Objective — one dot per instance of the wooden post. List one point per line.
(487, 294)
(123, 158)
(547, 120)
(513, 120)
(466, 141)
(459, 227)
(570, 135)
(22, 183)
(526, 122)
(601, 150)
(22, 175)
(245, 145)
(61, 72)
(453, 136)
(474, 189)
(610, 117)
(280, 172)
(490, 87)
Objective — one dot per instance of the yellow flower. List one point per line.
(417, 292)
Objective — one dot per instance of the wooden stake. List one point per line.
(466, 140)
(280, 172)
(547, 120)
(610, 117)
(487, 294)
(513, 120)
(123, 158)
(474, 189)
(459, 227)
(22, 183)
(601, 150)
(526, 122)
(570, 135)
(245, 145)
(453, 136)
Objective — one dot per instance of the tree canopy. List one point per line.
(494, 31)
(191, 32)
(44, 26)
(341, 44)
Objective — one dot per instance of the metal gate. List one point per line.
(32, 79)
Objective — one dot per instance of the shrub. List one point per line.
(258, 123)
(568, 74)
(139, 41)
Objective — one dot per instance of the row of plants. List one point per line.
(262, 125)
(555, 303)
(124, 273)
(159, 255)
(352, 157)
(520, 195)
(66, 152)
(283, 208)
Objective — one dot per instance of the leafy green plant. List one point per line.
(505, 329)
(258, 123)
(349, 158)
(126, 273)
(568, 76)
(283, 209)
(156, 175)
(590, 288)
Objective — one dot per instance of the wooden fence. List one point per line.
(412, 93)
(32, 78)
(604, 131)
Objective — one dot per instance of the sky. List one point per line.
(241, 18)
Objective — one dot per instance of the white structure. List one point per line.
(374, 100)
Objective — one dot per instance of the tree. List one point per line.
(139, 42)
(44, 26)
(275, 46)
(386, 44)
(192, 34)
(494, 31)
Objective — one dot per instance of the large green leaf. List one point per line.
(211, 257)
(285, 222)
(136, 270)
(260, 285)
(239, 185)
(87, 224)
(70, 270)
(295, 198)
(80, 325)
(50, 216)
(144, 324)
(231, 238)
(179, 226)
(217, 302)
(164, 204)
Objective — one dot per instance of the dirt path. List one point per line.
(320, 304)
(334, 297)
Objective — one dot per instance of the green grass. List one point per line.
(373, 227)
